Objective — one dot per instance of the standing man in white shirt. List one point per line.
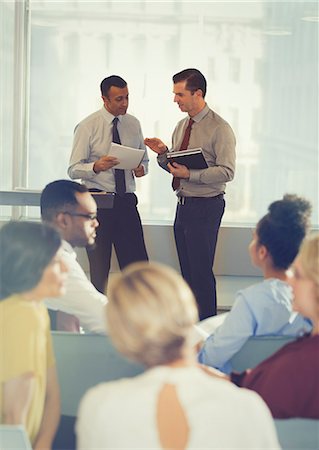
(121, 225)
(71, 209)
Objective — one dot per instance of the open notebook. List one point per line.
(14, 437)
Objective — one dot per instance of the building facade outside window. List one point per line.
(261, 63)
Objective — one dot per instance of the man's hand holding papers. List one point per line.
(128, 157)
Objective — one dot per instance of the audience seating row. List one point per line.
(14, 437)
(293, 434)
(257, 349)
(298, 434)
(84, 360)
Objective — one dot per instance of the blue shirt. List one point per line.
(261, 309)
(92, 140)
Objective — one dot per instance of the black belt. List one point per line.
(107, 192)
(184, 200)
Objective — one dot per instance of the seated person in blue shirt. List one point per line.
(264, 308)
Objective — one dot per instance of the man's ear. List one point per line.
(62, 220)
(199, 93)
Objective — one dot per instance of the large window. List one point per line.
(261, 63)
(6, 95)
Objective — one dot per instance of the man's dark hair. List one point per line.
(194, 80)
(113, 80)
(26, 249)
(57, 196)
(282, 230)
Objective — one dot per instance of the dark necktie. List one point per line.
(119, 173)
(176, 181)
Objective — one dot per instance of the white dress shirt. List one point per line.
(81, 299)
(92, 140)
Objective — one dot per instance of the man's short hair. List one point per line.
(194, 80)
(113, 80)
(57, 196)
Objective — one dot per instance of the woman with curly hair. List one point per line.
(288, 381)
(264, 308)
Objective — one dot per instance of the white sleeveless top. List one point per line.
(122, 414)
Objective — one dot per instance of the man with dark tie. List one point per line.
(121, 225)
(200, 193)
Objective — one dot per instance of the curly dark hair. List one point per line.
(26, 249)
(283, 229)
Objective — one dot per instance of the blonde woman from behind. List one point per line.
(175, 404)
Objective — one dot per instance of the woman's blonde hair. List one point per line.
(150, 313)
(309, 260)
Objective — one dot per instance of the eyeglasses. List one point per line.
(91, 216)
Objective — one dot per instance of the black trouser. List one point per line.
(196, 229)
(120, 226)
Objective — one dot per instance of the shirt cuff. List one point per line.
(162, 158)
(194, 176)
(90, 171)
(145, 168)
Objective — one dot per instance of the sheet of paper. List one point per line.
(208, 326)
(129, 157)
(189, 151)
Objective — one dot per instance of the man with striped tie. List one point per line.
(200, 193)
(121, 225)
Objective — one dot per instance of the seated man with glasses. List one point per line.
(71, 209)
(87, 216)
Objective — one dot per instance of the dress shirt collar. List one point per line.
(201, 114)
(67, 247)
(108, 116)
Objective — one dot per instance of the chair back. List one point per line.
(14, 437)
(257, 349)
(84, 360)
(297, 434)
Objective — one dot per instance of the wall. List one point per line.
(232, 263)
